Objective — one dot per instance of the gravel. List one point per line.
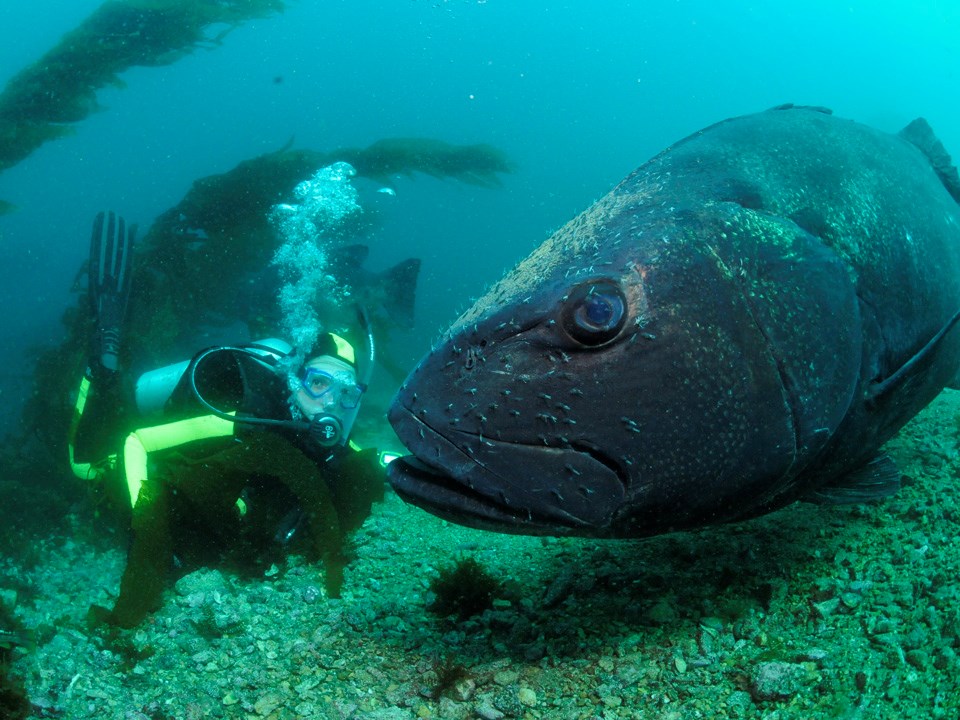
(812, 612)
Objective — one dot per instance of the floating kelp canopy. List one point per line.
(60, 88)
(206, 262)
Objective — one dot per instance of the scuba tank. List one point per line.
(155, 387)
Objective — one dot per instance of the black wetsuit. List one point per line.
(189, 506)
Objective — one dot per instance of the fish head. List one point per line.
(617, 383)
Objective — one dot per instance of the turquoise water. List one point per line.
(576, 94)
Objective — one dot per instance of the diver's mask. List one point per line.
(328, 394)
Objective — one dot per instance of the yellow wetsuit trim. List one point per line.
(85, 471)
(82, 393)
(344, 349)
(140, 443)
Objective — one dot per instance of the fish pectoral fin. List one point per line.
(916, 366)
(877, 480)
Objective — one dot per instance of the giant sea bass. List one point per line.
(739, 324)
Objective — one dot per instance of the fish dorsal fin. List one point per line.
(920, 134)
(400, 286)
(876, 480)
(352, 256)
(811, 108)
(916, 365)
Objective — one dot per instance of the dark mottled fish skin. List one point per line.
(783, 275)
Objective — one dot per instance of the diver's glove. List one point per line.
(109, 271)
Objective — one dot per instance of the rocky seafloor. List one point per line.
(812, 612)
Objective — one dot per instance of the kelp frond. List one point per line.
(474, 164)
(235, 203)
(202, 251)
(61, 86)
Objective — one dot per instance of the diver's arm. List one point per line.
(88, 445)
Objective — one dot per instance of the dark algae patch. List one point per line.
(463, 590)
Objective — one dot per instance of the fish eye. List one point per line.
(595, 312)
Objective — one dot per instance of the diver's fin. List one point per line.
(109, 274)
(399, 286)
(876, 480)
(920, 134)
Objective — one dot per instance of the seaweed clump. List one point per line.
(127, 651)
(449, 674)
(472, 164)
(463, 589)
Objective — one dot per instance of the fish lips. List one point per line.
(504, 486)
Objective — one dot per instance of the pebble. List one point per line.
(505, 677)
(393, 713)
(266, 704)
(662, 613)
(8, 599)
(463, 690)
(527, 696)
(486, 711)
(777, 680)
(201, 581)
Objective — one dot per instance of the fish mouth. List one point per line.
(466, 487)
(439, 494)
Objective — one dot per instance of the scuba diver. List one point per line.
(237, 453)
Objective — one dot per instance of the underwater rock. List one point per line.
(777, 680)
